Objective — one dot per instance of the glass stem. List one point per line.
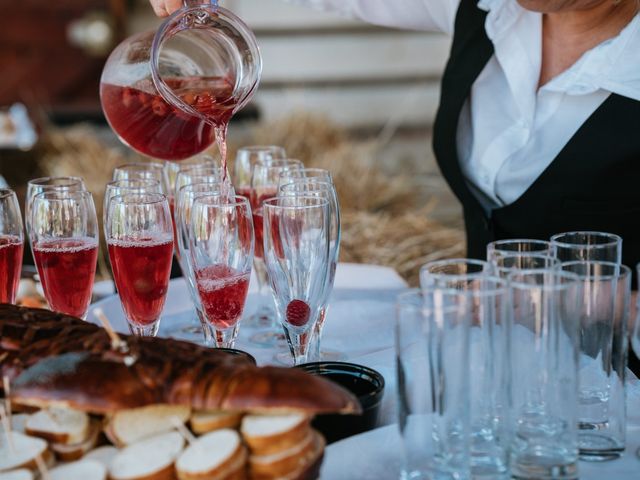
(145, 331)
(299, 345)
(317, 335)
(220, 338)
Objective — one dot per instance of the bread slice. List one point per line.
(130, 426)
(59, 425)
(266, 434)
(204, 421)
(212, 457)
(18, 423)
(82, 470)
(149, 459)
(24, 452)
(281, 464)
(75, 451)
(104, 455)
(22, 474)
(310, 469)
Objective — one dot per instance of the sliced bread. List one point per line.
(149, 459)
(204, 421)
(281, 464)
(266, 434)
(59, 425)
(71, 452)
(81, 470)
(22, 474)
(104, 454)
(22, 451)
(213, 456)
(130, 426)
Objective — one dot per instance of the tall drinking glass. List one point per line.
(432, 365)
(500, 248)
(264, 185)
(486, 299)
(587, 246)
(45, 184)
(545, 347)
(64, 241)
(302, 187)
(140, 241)
(221, 253)
(184, 206)
(603, 315)
(297, 246)
(11, 245)
(247, 158)
(505, 265)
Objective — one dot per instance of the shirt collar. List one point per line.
(610, 66)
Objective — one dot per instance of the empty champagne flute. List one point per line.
(192, 330)
(45, 184)
(587, 246)
(297, 257)
(221, 253)
(64, 241)
(140, 241)
(500, 248)
(311, 175)
(326, 190)
(140, 171)
(11, 245)
(246, 159)
(264, 184)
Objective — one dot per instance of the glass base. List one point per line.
(269, 339)
(541, 468)
(598, 448)
(146, 330)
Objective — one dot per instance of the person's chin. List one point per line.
(545, 6)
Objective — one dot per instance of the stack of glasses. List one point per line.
(515, 366)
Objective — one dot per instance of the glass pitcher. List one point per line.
(170, 93)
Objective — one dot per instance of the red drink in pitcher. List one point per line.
(67, 270)
(150, 125)
(141, 269)
(223, 293)
(10, 266)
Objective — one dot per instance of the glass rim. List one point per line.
(199, 166)
(556, 272)
(58, 196)
(404, 301)
(499, 285)
(153, 198)
(269, 202)
(486, 271)
(260, 148)
(42, 181)
(150, 182)
(314, 169)
(612, 237)
(6, 193)
(278, 162)
(510, 241)
(623, 270)
(188, 186)
(323, 184)
(239, 201)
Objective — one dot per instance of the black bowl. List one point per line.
(365, 383)
(242, 353)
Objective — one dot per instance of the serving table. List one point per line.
(360, 325)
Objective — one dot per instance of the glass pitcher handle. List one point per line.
(197, 3)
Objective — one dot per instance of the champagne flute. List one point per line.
(139, 237)
(64, 241)
(140, 171)
(123, 187)
(297, 250)
(221, 253)
(11, 245)
(264, 184)
(193, 331)
(170, 170)
(310, 175)
(246, 159)
(45, 184)
(315, 188)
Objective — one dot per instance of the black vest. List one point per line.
(593, 183)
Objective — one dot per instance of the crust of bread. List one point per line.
(204, 422)
(70, 453)
(268, 444)
(285, 462)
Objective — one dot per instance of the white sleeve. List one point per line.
(433, 15)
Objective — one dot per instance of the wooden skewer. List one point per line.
(116, 342)
(7, 398)
(184, 431)
(7, 429)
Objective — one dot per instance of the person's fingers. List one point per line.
(172, 5)
(159, 7)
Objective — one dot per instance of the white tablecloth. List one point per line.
(360, 325)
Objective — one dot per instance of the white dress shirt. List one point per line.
(510, 130)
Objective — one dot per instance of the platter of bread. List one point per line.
(81, 406)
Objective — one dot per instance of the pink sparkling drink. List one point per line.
(223, 293)
(11, 248)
